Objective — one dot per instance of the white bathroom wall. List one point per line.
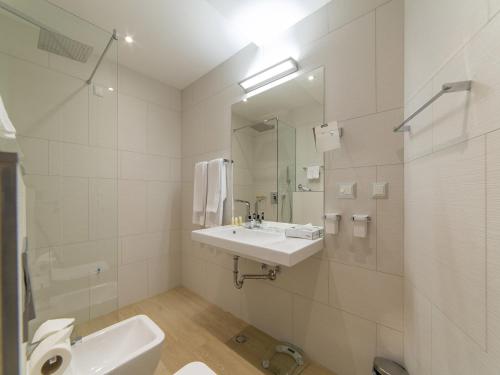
(149, 188)
(102, 176)
(451, 189)
(345, 305)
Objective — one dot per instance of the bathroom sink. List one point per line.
(269, 245)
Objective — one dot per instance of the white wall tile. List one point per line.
(342, 342)
(103, 208)
(418, 332)
(493, 242)
(69, 159)
(163, 212)
(103, 119)
(35, 155)
(390, 226)
(350, 71)
(273, 318)
(438, 237)
(75, 209)
(220, 289)
(308, 278)
(132, 283)
(390, 39)
(163, 131)
(132, 119)
(44, 207)
(194, 274)
(453, 353)
(164, 273)
(390, 344)
(494, 7)
(362, 140)
(418, 141)
(435, 41)
(132, 207)
(345, 11)
(75, 117)
(372, 295)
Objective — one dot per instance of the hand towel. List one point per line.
(313, 172)
(216, 192)
(7, 130)
(200, 192)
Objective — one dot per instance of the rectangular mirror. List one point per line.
(277, 170)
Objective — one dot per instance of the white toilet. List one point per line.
(195, 368)
(130, 347)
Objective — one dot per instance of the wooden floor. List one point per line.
(196, 330)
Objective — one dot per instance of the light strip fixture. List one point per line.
(269, 75)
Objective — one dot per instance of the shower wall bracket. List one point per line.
(238, 280)
(114, 36)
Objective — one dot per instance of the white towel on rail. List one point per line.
(7, 130)
(216, 192)
(200, 192)
(313, 172)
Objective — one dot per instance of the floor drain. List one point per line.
(240, 339)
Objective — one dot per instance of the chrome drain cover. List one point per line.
(240, 339)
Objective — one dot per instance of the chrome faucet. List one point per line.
(247, 204)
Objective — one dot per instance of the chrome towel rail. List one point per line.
(446, 88)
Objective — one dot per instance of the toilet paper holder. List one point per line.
(333, 217)
(366, 218)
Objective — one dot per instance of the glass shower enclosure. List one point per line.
(65, 113)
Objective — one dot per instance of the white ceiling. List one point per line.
(178, 41)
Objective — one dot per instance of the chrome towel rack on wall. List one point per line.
(446, 89)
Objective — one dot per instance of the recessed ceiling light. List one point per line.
(111, 89)
(245, 100)
(129, 39)
(311, 78)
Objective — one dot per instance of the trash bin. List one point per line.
(383, 366)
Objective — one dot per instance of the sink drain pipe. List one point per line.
(238, 279)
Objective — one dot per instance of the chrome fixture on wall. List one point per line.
(446, 89)
(238, 280)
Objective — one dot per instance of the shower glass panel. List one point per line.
(67, 133)
(286, 171)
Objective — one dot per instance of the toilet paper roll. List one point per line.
(50, 327)
(53, 355)
(360, 228)
(332, 223)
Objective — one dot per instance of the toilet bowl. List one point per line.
(195, 368)
(130, 347)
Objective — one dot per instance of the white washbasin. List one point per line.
(130, 347)
(268, 246)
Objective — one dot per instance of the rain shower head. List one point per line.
(262, 127)
(61, 45)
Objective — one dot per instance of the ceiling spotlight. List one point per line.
(111, 89)
(245, 100)
(311, 78)
(129, 39)
(269, 75)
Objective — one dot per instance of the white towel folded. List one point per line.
(7, 130)
(313, 172)
(216, 192)
(200, 192)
